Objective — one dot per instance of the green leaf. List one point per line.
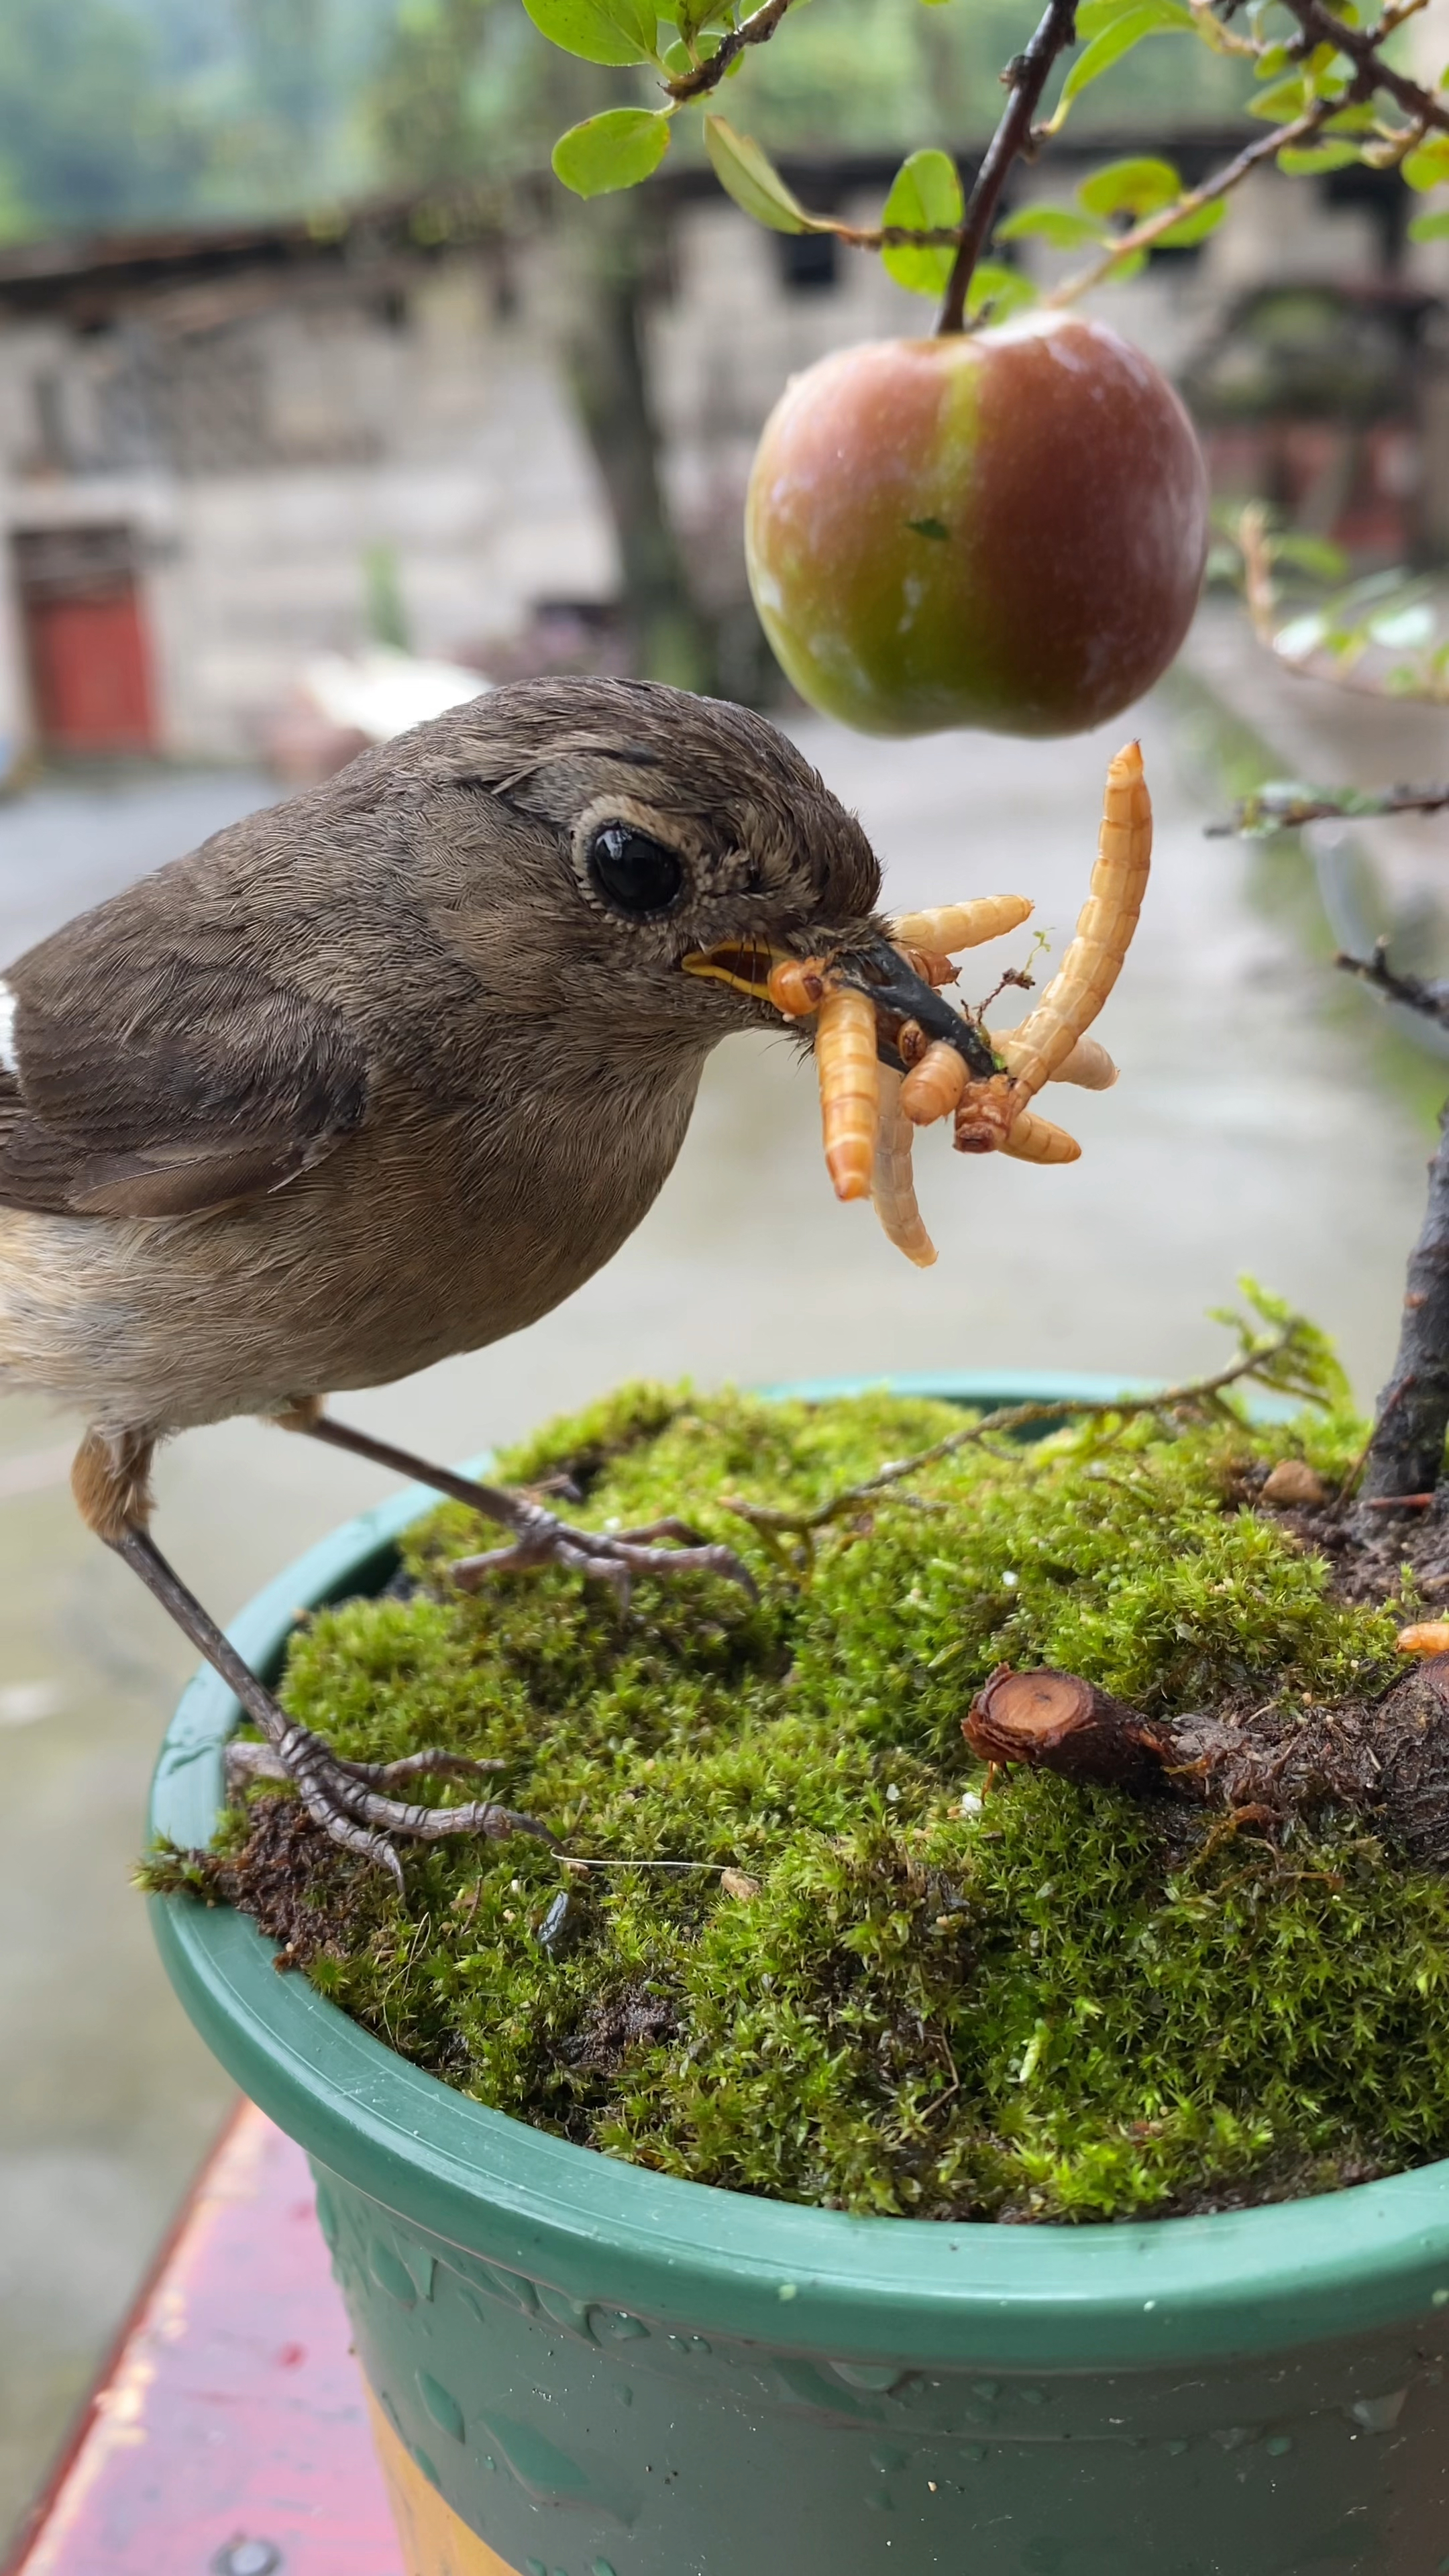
(1096, 15)
(614, 150)
(925, 197)
(602, 31)
(1310, 554)
(1313, 157)
(1135, 187)
(1353, 120)
(746, 174)
(1287, 98)
(1429, 228)
(1004, 289)
(1194, 227)
(1401, 630)
(1427, 166)
(1128, 28)
(1054, 224)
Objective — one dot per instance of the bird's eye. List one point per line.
(633, 873)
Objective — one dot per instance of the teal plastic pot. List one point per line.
(583, 2369)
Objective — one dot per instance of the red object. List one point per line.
(90, 671)
(229, 2437)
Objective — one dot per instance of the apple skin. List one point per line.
(1060, 504)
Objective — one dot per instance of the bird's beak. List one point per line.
(898, 992)
(743, 964)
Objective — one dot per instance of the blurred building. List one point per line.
(215, 445)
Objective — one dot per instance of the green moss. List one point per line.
(1053, 2003)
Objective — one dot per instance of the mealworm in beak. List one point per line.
(893, 1185)
(1089, 1065)
(849, 1073)
(1104, 929)
(952, 926)
(1035, 1140)
(934, 1084)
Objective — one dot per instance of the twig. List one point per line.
(1431, 999)
(1027, 75)
(1361, 46)
(1287, 810)
(1151, 229)
(707, 76)
(767, 1517)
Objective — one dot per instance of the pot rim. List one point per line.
(1120, 2295)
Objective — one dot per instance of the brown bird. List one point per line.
(382, 1074)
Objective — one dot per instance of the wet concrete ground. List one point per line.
(1246, 1133)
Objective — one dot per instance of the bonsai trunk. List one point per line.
(606, 360)
(1406, 1456)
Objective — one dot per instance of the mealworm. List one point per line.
(893, 1185)
(845, 1056)
(934, 1084)
(1104, 929)
(928, 963)
(796, 986)
(951, 926)
(1089, 1065)
(984, 1114)
(1035, 1140)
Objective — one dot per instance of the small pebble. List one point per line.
(971, 1804)
(737, 1883)
(1294, 1481)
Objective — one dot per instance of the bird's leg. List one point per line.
(539, 1537)
(111, 1481)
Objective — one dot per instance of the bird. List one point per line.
(384, 1073)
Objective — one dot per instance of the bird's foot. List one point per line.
(349, 1799)
(606, 1556)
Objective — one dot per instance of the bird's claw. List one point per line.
(348, 1800)
(604, 1556)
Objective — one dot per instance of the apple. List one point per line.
(1004, 528)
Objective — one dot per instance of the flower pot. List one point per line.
(579, 2368)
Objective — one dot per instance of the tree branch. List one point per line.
(1194, 1394)
(1431, 999)
(1287, 809)
(1152, 227)
(1028, 78)
(1360, 46)
(707, 76)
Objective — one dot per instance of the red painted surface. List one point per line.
(234, 2410)
(91, 671)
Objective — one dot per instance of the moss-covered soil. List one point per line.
(1043, 2003)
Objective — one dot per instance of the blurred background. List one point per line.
(320, 409)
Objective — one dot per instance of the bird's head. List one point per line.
(644, 857)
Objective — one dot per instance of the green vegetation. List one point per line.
(1050, 2003)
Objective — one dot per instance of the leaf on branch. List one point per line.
(1194, 227)
(1126, 30)
(1054, 224)
(1427, 166)
(1310, 554)
(613, 150)
(600, 31)
(1306, 160)
(926, 197)
(1285, 100)
(1095, 16)
(747, 174)
(1004, 289)
(1429, 228)
(1134, 187)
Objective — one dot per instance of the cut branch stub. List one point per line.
(1061, 1723)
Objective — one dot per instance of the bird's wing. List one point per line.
(163, 1084)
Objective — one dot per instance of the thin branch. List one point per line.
(1142, 236)
(1287, 809)
(1027, 75)
(1200, 1391)
(1431, 999)
(707, 76)
(1360, 46)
